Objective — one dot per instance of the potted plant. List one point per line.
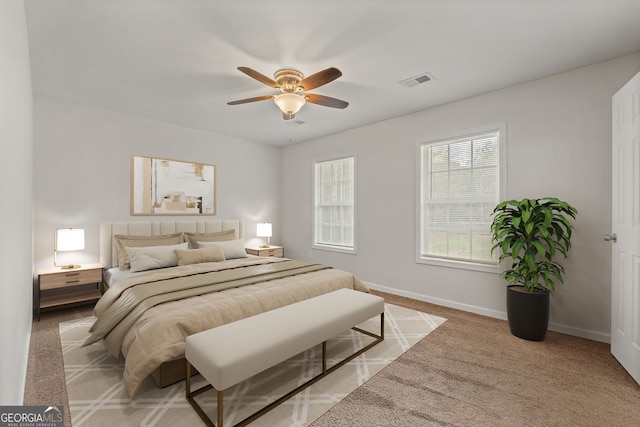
(532, 232)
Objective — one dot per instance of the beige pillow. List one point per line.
(152, 257)
(196, 256)
(124, 241)
(231, 248)
(219, 236)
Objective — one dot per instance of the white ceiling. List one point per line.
(175, 60)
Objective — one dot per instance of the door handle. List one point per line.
(610, 238)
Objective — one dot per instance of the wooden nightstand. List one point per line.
(56, 286)
(276, 251)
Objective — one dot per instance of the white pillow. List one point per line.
(150, 257)
(231, 248)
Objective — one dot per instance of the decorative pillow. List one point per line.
(196, 256)
(151, 257)
(232, 248)
(219, 236)
(124, 241)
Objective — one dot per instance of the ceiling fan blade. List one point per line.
(325, 101)
(320, 78)
(247, 100)
(259, 77)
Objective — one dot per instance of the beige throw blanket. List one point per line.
(147, 318)
(149, 292)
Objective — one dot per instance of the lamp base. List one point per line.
(265, 246)
(69, 266)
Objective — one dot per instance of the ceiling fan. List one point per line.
(291, 84)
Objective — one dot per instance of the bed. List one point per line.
(151, 304)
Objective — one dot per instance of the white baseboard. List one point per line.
(579, 332)
(557, 327)
(439, 301)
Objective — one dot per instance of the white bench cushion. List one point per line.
(231, 353)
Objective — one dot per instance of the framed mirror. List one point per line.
(172, 187)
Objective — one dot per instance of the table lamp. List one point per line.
(68, 239)
(264, 230)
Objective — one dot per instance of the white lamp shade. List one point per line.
(289, 103)
(264, 229)
(69, 239)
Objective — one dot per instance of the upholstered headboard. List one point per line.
(108, 255)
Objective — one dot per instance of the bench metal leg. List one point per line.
(190, 398)
(325, 371)
(220, 406)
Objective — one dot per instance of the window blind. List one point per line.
(460, 187)
(334, 203)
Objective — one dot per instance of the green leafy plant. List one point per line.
(532, 232)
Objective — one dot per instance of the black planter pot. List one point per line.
(528, 312)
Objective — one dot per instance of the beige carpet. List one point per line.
(97, 396)
(472, 372)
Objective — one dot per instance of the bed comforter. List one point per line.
(149, 328)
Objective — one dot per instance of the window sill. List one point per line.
(339, 249)
(462, 265)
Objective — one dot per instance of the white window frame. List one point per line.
(330, 247)
(502, 171)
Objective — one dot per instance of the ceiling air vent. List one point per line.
(416, 80)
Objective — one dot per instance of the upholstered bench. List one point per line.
(232, 353)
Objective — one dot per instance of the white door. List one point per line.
(625, 280)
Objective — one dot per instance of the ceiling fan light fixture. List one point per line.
(291, 84)
(289, 103)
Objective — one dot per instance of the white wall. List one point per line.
(558, 138)
(82, 172)
(16, 202)
(558, 144)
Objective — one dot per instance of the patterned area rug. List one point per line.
(97, 396)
